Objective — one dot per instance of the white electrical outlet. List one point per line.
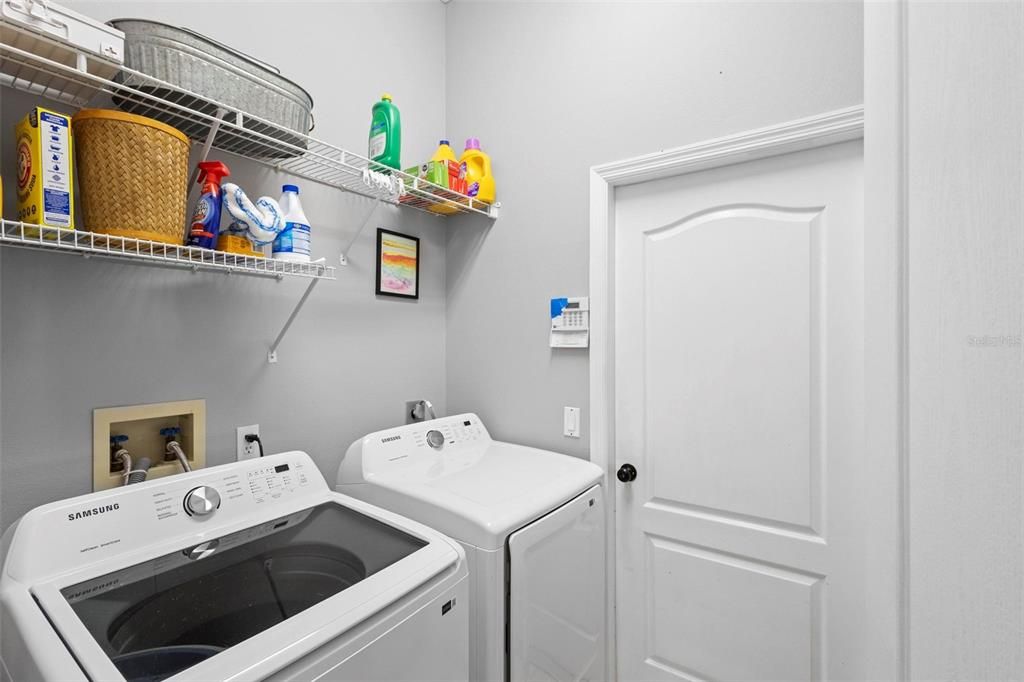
(243, 449)
(571, 422)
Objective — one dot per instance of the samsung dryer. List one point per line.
(248, 571)
(532, 524)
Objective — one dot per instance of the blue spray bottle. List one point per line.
(206, 218)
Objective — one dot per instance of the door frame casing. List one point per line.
(884, 336)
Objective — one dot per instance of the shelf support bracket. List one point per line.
(366, 221)
(208, 144)
(272, 355)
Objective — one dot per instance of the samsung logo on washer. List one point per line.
(102, 587)
(95, 511)
(390, 438)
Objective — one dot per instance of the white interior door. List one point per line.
(739, 370)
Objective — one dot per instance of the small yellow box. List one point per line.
(45, 186)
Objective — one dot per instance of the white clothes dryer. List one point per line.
(532, 523)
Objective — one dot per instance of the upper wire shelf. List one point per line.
(237, 132)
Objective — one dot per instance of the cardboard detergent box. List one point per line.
(45, 187)
(432, 171)
(457, 177)
(448, 174)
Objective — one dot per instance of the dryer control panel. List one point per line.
(413, 445)
(448, 432)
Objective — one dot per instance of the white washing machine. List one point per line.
(532, 524)
(248, 571)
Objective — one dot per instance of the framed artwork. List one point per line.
(398, 264)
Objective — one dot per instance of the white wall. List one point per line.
(965, 108)
(554, 88)
(82, 334)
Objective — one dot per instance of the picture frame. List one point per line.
(398, 264)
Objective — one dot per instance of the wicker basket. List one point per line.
(132, 175)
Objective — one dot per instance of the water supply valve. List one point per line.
(117, 462)
(170, 434)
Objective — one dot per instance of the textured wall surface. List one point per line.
(80, 334)
(966, 209)
(559, 87)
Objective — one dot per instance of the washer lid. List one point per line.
(244, 605)
(480, 493)
(167, 614)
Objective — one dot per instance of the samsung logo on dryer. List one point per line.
(390, 438)
(95, 511)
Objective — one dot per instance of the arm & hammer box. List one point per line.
(45, 186)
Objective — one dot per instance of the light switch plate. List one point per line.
(571, 422)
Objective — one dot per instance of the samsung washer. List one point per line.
(249, 571)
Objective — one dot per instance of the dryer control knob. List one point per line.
(202, 501)
(435, 439)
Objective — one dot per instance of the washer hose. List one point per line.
(136, 475)
(173, 448)
(139, 473)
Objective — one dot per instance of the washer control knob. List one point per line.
(435, 439)
(202, 501)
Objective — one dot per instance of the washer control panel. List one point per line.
(62, 536)
(270, 483)
(259, 481)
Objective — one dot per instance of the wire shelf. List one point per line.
(146, 252)
(236, 132)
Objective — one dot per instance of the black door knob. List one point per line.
(626, 473)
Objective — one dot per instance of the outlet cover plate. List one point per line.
(245, 450)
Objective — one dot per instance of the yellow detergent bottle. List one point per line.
(446, 155)
(444, 152)
(478, 172)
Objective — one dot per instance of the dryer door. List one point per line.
(557, 594)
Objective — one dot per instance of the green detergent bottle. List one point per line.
(386, 134)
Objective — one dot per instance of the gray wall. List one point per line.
(965, 151)
(564, 86)
(81, 334)
(559, 88)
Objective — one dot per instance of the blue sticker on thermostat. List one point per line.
(557, 306)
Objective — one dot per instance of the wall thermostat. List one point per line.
(570, 322)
